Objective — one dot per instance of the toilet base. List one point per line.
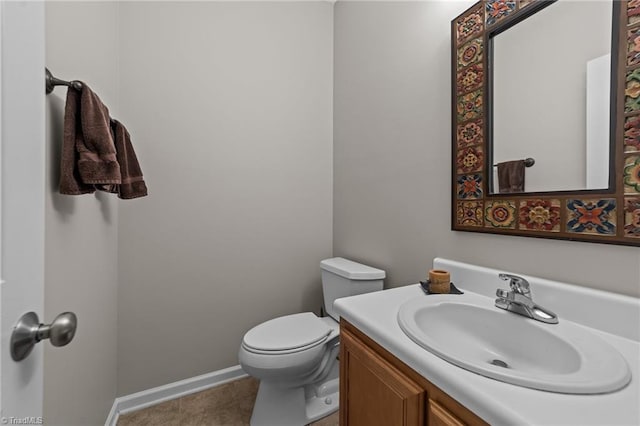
(278, 406)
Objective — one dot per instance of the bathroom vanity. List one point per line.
(387, 378)
(378, 388)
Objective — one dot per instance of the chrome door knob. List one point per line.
(29, 331)
(61, 331)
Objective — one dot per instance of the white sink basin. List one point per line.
(471, 333)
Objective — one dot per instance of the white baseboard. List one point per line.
(149, 397)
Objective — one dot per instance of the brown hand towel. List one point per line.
(88, 148)
(132, 185)
(96, 150)
(511, 176)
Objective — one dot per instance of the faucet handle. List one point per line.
(517, 284)
(503, 294)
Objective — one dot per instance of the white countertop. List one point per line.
(496, 402)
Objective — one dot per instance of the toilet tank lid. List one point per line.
(351, 270)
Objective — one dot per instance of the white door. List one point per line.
(22, 170)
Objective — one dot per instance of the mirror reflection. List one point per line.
(550, 99)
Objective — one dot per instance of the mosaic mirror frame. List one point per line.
(609, 216)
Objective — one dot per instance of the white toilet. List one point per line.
(295, 356)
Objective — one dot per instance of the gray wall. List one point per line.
(80, 232)
(230, 108)
(392, 158)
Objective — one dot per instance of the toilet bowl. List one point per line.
(295, 356)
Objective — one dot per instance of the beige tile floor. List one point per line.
(226, 405)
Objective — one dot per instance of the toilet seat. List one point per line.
(284, 352)
(287, 334)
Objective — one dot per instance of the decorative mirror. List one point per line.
(546, 119)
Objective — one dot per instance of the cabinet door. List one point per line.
(440, 416)
(373, 392)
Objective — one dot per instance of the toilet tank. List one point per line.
(342, 278)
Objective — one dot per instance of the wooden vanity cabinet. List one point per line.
(377, 389)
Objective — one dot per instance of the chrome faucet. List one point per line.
(519, 300)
